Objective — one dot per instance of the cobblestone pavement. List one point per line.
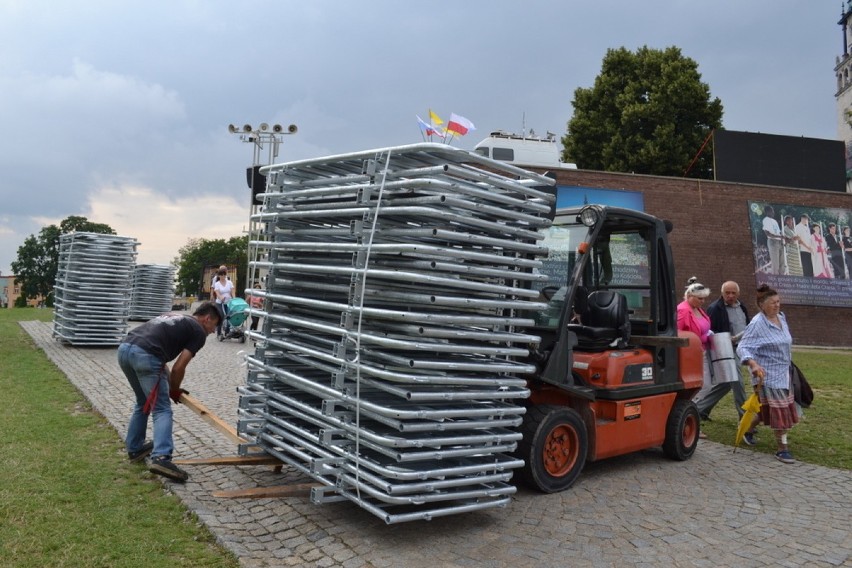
(718, 509)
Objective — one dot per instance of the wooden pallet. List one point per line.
(293, 490)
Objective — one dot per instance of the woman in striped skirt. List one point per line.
(765, 347)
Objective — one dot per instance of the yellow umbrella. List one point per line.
(752, 408)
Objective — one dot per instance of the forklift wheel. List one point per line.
(682, 430)
(553, 448)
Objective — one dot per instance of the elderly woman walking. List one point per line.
(766, 348)
(692, 317)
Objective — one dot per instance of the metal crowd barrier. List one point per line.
(91, 295)
(398, 283)
(152, 292)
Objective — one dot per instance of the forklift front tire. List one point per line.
(554, 447)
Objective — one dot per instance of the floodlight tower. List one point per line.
(262, 138)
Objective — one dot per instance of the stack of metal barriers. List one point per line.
(398, 283)
(92, 291)
(152, 292)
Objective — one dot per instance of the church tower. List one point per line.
(843, 72)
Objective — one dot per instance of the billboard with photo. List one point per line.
(803, 252)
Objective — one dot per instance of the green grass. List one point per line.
(824, 435)
(68, 496)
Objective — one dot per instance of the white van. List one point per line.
(528, 150)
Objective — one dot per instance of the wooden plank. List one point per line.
(296, 490)
(231, 460)
(195, 405)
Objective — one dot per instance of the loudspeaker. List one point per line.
(256, 182)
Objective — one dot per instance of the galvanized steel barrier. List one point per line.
(92, 291)
(389, 365)
(153, 291)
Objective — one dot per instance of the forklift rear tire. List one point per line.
(682, 429)
(553, 448)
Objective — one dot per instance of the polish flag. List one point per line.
(459, 125)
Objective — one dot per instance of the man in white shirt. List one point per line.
(774, 241)
(806, 244)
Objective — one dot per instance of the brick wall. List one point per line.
(711, 238)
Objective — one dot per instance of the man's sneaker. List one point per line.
(750, 438)
(162, 465)
(140, 455)
(784, 456)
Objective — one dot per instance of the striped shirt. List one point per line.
(770, 346)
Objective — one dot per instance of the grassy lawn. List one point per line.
(69, 497)
(824, 436)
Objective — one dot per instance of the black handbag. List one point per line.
(802, 391)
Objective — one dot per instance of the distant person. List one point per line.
(216, 275)
(692, 317)
(806, 245)
(791, 246)
(223, 292)
(835, 251)
(727, 315)
(766, 348)
(847, 250)
(774, 241)
(256, 303)
(143, 357)
(819, 257)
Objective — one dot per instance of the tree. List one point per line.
(38, 258)
(648, 112)
(198, 254)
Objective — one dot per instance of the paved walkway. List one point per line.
(717, 509)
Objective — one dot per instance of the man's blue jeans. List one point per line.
(146, 372)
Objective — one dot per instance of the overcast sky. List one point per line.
(118, 111)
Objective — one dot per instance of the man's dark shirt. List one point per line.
(167, 335)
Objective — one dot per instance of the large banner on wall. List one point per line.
(803, 252)
(576, 196)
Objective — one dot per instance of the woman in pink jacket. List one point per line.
(692, 317)
(690, 312)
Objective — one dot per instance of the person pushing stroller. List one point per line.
(223, 293)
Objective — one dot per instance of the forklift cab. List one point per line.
(610, 286)
(613, 374)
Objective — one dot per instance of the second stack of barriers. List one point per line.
(398, 283)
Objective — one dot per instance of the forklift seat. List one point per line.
(605, 320)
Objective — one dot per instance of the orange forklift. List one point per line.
(614, 375)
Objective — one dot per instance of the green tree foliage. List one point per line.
(648, 112)
(198, 254)
(38, 258)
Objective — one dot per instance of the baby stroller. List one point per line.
(235, 319)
